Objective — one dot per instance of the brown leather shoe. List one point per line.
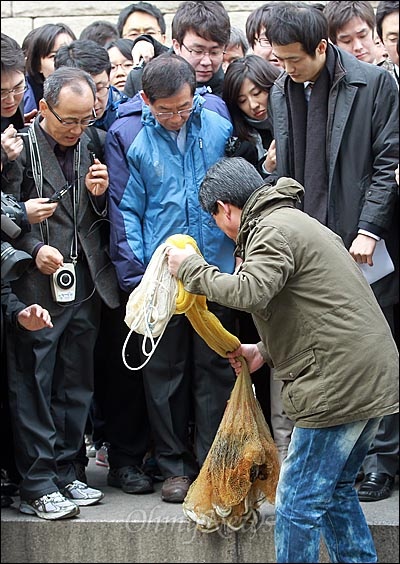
(174, 489)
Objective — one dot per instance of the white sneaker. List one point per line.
(81, 494)
(50, 506)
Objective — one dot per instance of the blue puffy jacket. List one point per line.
(153, 189)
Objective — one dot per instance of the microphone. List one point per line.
(92, 154)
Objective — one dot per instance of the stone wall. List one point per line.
(19, 17)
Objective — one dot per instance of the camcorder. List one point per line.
(13, 262)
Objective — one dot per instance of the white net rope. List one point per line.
(151, 305)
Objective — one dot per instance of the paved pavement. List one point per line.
(142, 528)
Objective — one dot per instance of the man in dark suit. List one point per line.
(51, 371)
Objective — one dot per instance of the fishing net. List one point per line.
(242, 466)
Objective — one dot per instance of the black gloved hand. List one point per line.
(234, 147)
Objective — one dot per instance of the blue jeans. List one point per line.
(316, 495)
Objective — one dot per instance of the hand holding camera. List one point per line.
(11, 142)
(50, 261)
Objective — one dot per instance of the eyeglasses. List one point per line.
(20, 89)
(263, 42)
(214, 53)
(71, 121)
(136, 32)
(102, 91)
(127, 66)
(169, 115)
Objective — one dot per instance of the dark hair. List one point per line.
(100, 31)
(256, 69)
(66, 76)
(124, 45)
(165, 75)
(12, 56)
(296, 22)
(145, 7)
(83, 54)
(208, 19)
(257, 21)
(340, 13)
(231, 180)
(384, 9)
(41, 44)
(28, 40)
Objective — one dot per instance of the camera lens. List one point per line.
(65, 279)
(13, 262)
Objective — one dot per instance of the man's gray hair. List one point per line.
(231, 180)
(66, 76)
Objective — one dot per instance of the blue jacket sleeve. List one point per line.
(129, 267)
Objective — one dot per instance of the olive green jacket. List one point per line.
(320, 325)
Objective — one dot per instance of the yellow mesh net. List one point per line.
(242, 467)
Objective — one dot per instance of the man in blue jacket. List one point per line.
(157, 158)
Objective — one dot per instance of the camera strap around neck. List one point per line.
(37, 171)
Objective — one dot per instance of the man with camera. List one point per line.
(16, 313)
(51, 372)
(13, 264)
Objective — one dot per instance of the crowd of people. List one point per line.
(108, 142)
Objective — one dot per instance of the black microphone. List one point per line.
(92, 154)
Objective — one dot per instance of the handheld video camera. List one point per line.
(13, 262)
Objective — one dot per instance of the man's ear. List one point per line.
(145, 98)
(224, 208)
(176, 47)
(42, 106)
(322, 46)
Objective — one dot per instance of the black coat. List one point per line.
(362, 152)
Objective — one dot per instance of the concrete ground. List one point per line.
(142, 528)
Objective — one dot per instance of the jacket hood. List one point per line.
(286, 192)
(131, 106)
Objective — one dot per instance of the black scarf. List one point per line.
(307, 139)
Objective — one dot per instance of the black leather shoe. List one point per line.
(375, 486)
(130, 479)
(175, 488)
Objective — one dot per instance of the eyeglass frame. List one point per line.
(107, 88)
(264, 39)
(116, 65)
(13, 91)
(76, 122)
(169, 115)
(203, 52)
(150, 31)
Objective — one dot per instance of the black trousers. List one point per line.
(119, 413)
(51, 388)
(185, 380)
